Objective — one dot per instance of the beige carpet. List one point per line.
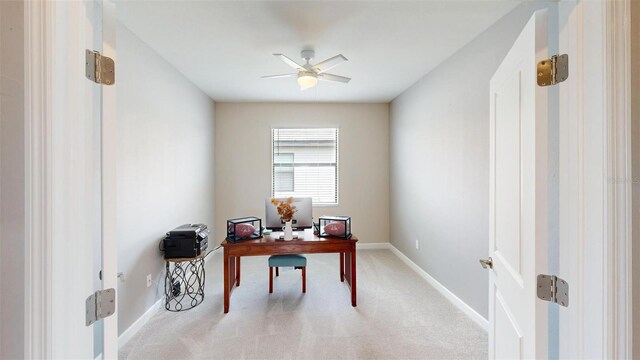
(398, 316)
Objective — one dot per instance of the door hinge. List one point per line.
(100, 305)
(552, 288)
(553, 71)
(99, 68)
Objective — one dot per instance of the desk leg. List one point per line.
(227, 289)
(237, 270)
(353, 276)
(342, 266)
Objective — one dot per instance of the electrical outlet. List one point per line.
(417, 244)
(149, 281)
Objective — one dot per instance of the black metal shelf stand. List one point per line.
(184, 283)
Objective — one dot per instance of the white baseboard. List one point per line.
(128, 334)
(124, 338)
(373, 246)
(477, 318)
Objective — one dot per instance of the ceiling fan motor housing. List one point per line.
(308, 55)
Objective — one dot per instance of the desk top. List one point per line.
(304, 237)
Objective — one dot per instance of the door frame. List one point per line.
(38, 238)
(595, 180)
(49, 32)
(595, 242)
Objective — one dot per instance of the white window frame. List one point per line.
(337, 177)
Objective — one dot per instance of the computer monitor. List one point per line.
(302, 218)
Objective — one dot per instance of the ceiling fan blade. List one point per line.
(279, 76)
(334, 78)
(330, 63)
(289, 62)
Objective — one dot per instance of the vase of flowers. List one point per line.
(287, 231)
(286, 209)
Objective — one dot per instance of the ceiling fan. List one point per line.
(308, 75)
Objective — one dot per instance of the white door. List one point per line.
(518, 199)
(105, 332)
(83, 181)
(109, 248)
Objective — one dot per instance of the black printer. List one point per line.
(186, 241)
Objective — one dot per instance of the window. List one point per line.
(283, 172)
(305, 164)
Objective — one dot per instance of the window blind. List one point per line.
(305, 164)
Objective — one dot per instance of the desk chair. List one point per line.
(295, 261)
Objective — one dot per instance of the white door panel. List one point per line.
(507, 330)
(507, 175)
(518, 199)
(82, 181)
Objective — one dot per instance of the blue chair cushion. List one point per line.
(287, 260)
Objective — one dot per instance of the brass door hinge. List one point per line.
(553, 71)
(100, 69)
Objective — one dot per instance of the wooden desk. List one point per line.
(271, 245)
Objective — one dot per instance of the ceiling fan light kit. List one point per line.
(307, 80)
(308, 74)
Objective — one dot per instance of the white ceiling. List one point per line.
(225, 47)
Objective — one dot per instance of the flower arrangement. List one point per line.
(286, 209)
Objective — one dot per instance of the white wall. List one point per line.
(439, 150)
(243, 160)
(12, 189)
(165, 166)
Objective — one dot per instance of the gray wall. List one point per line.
(635, 168)
(165, 173)
(12, 189)
(439, 151)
